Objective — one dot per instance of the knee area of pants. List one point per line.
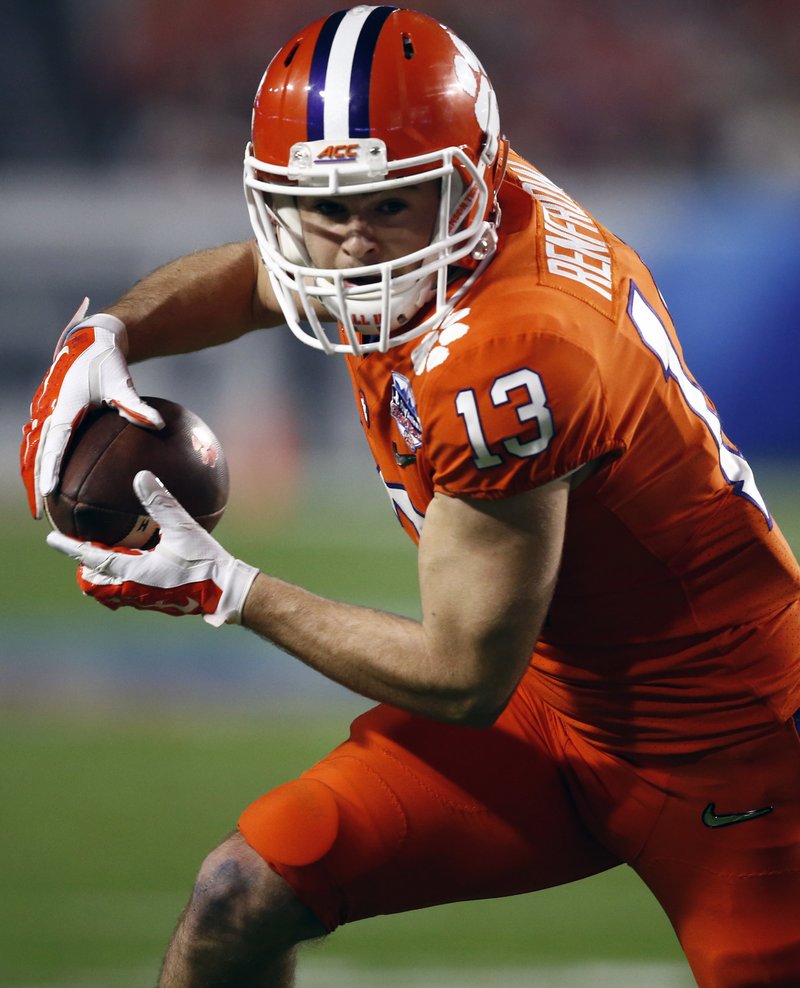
(295, 824)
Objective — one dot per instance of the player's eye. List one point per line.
(391, 207)
(330, 209)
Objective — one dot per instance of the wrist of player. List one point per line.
(104, 321)
(237, 578)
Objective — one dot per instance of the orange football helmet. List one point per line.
(367, 99)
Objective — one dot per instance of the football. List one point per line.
(95, 500)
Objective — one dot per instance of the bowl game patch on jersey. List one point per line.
(403, 407)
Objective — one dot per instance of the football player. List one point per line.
(606, 669)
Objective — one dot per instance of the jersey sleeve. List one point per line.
(514, 412)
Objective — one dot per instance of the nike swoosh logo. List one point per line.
(714, 820)
(403, 460)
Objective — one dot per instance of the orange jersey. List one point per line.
(673, 573)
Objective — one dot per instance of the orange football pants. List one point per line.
(410, 813)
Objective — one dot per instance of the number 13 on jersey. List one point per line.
(530, 403)
(535, 407)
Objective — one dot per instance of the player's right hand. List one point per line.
(89, 369)
(188, 571)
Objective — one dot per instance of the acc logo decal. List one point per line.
(403, 407)
(337, 152)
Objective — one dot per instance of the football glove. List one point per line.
(89, 369)
(188, 571)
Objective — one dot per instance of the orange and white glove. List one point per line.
(89, 369)
(188, 571)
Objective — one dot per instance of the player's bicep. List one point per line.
(487, 573)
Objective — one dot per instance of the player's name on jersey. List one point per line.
(574, 246)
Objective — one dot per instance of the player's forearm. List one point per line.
(381, 656)
(200, 300)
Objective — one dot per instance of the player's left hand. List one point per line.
(89, 369)
(188, 572)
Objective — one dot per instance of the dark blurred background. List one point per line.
(706, 85)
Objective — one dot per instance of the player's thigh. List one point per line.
(728, 879)
(410, 813)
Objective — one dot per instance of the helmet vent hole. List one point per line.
(408, 47)
(288, 60)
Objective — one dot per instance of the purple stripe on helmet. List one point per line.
(362, 70)
(315, 112)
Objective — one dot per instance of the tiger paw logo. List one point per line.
(475, 83)
(435, 346)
